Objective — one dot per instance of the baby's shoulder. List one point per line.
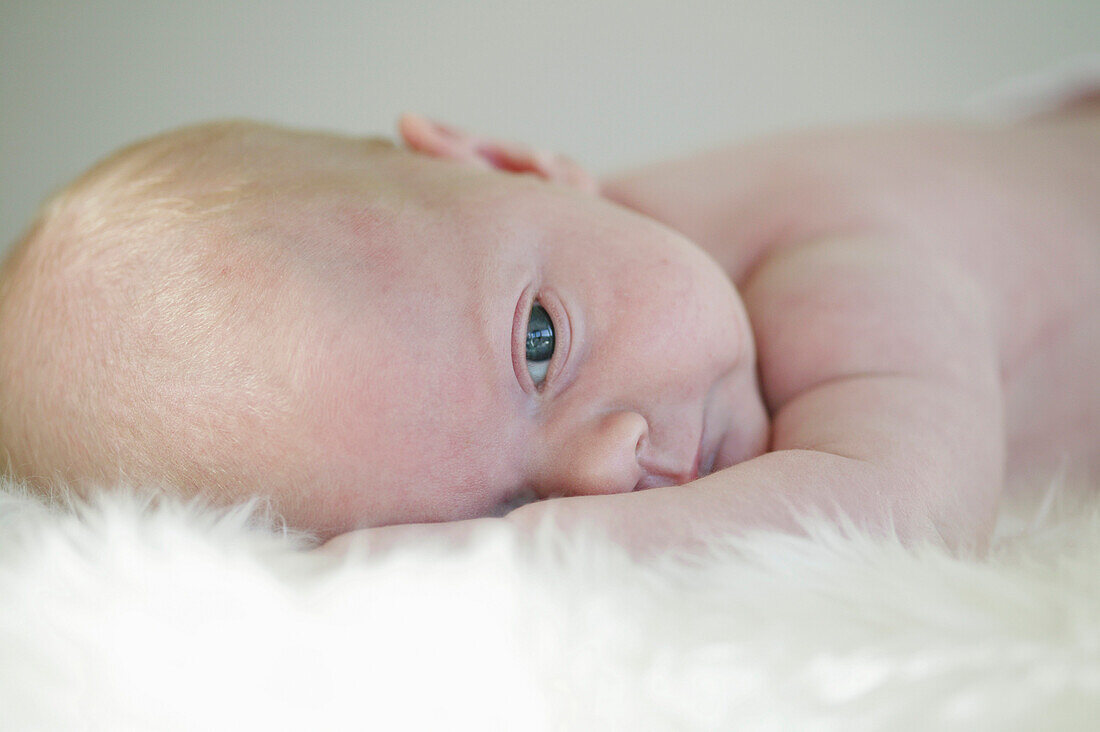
(862, 304)
(979, 195)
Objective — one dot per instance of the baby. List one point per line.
(374, 335)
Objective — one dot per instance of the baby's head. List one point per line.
(366, 333)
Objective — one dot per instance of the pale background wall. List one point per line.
(612, 83)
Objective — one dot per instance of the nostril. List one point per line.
(604, 458)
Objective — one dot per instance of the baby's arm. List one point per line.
(879, 367)
(874, 351)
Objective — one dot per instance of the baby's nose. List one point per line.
(596, 458)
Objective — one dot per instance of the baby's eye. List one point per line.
(540, 343)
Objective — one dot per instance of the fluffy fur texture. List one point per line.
(131, 613)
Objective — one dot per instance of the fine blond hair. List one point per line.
(126, 351)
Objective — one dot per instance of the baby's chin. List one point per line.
(738, 447)
(749, 434)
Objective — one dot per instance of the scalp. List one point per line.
(137, 336)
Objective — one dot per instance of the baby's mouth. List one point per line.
(655, 477)
(665, 478)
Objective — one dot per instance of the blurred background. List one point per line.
(611, 82)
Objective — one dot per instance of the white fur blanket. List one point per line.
(123, 615)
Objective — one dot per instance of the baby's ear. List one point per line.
(442, 141)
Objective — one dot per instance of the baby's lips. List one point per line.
(659, 477)
(651, 480)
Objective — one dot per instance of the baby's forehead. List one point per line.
(342, 215)
(386, 224)
(396, 263)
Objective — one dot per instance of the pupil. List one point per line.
(540, 335)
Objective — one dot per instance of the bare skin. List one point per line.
(340, 324)
(916, 293)
(926, 305)
(922, 299)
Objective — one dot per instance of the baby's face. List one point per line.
(469, 339)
